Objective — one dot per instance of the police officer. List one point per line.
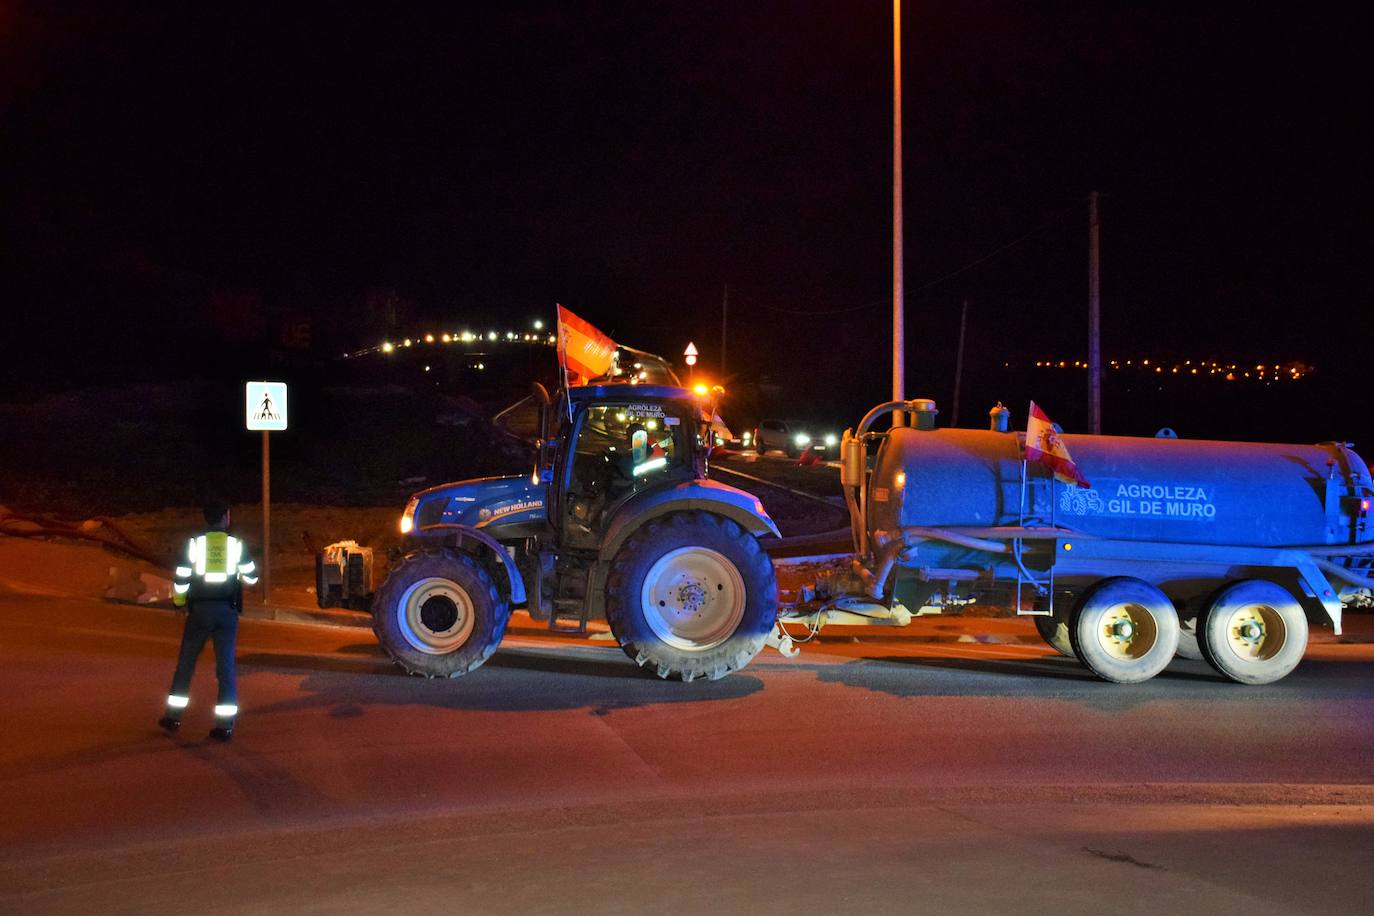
(209, 584)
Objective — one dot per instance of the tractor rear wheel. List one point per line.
(1253, 632)
(691, 595)
(439, 614)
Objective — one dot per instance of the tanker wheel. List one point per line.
(439, 614)
(691, 595)
(1253, 632)
(1054, 630)
(1187, 640)
(1124, 630)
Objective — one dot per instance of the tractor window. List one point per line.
(619, 447)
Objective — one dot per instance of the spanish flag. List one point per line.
(584, 351)
(1044, 447)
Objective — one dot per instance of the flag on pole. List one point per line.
(584, 352)
(1043, 446)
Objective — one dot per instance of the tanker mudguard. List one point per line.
(454, 535)
(699, 495)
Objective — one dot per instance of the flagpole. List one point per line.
(567, 394)
(1021, 523)
(563, 361)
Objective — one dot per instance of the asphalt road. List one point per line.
(912, 773)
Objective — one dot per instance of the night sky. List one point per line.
(174, 175)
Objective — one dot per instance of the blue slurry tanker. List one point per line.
(1218, 550)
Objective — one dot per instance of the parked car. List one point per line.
(792, 438)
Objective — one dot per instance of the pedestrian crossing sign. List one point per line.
(267, 406)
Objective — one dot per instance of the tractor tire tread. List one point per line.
(712, 664)
(500, 610)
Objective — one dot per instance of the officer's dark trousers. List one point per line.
(215, 620)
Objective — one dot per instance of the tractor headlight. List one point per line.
(408, 516)
(801, 439)
(831, 440)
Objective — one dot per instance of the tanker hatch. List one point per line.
(999, 418)
(924, 410)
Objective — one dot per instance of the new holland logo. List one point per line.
(524, 505)
(521, 506)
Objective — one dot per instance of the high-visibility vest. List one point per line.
(215, 565)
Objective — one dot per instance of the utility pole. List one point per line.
(898, 327)
(266, 520)
(724, 311)
(1094, 323)
(959, 362)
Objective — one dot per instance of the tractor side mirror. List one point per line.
(541, 398)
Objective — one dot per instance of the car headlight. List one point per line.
(802, 439)
(831, 439)
(408, 516)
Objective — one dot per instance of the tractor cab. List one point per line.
(622, 441)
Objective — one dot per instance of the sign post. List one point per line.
(266, 411)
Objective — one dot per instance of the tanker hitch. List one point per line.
(844, 611)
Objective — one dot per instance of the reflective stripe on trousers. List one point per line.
(218, 622)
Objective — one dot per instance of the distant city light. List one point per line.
(1291, 371)
(465, 336)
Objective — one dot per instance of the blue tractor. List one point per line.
(618, 520)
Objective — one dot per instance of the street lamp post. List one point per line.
(898, 324)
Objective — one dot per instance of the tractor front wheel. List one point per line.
(439, 614)
(692, 595)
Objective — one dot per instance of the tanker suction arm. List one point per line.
(854, 471)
